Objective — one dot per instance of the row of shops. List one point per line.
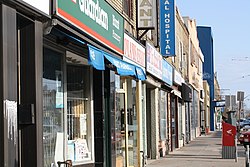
(79, 88)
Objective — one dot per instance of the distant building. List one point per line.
(206, 44)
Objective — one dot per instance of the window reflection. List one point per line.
(132, 124)
(78, 113)
(76, 144)
(52, 104)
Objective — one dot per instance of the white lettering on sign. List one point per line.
(116, 36)
(95, 12)
(116, 22)
(167, 27)
(154, 61)
(92, 54)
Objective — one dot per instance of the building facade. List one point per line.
(97, 88)
(206, 44)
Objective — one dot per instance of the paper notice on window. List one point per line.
(83, 124)
(82, 150)
(59, 99)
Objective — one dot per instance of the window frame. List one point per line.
(129, 10)
(90, 126)
(91, 112)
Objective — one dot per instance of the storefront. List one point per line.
(159, 83)
(58, 89)
(195, 115)
(180, 110)
(21, 140)
(186, 93)
(164, 108)
(175, 103)
(85, 142)
(202, 113)
(134, 53)
(68, 105)
(124, 121)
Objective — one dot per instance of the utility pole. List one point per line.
(240, 99)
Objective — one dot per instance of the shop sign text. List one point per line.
(96, 18)
(146, 13)
(154, 61)
(167, 27)
(134, 51)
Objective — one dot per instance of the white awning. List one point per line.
(176, 93)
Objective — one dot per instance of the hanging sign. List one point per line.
(167, 27)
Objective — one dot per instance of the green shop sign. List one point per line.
(96, 18)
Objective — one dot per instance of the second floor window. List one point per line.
(128, 8)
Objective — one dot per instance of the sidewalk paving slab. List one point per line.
(204, 151)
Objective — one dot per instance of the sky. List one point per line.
(230, 23)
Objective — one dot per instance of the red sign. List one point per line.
(228, 136)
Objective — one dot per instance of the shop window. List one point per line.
(128, 8)
(53, 105)
(132, 124)
(67, 111)
(79, 131)
(180, 130)
(163, 115)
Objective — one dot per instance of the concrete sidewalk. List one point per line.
(204, 151)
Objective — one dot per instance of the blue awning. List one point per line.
(96, 58)
(123, 68)
(140, 73)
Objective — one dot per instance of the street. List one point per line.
(204, 151)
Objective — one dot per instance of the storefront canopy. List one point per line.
(140, 73)
(123, 68)
(96, 59)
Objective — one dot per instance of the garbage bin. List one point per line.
(228, 141)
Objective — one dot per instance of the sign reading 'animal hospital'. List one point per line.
(96, 18)
(167, 27)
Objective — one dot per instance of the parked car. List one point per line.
(244, 123)
(245, 128)
(244, 137)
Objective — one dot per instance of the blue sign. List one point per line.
(167, 27)
(123, 68)
(167, 72)
(96, 58)
(140, 73)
